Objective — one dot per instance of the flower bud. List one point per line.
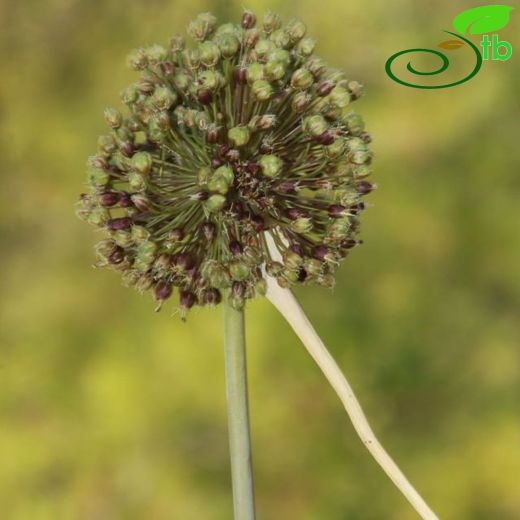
(339, 97)
(300, 101)
(271, 22)
(177, 43)
(163, 290)
(263, 47)
(262, 122)
(113, 117)
(98, 217)
(211, 296)
(163, 98)
(262, 90)
(239, 135)
(248, 20)
(356, 89)
(107, 144)
(305, 47)
(218, 184)
(251, 37)
(255, 72)
(205, 97)
(337, 211)
(209, 53)
(140, 234)
(116, 256)
(181, 81)
(136, 181)
(239, 271)
(116, 224)
(271, 165)
(97, 176)
(281, 39)
(109, 198)
(215, 203)
(315, 125)
(296, 30)
(274, 70)
(156, 54)
(129, 95)
(301, 225)
(202, 27)
(142, 162)
(364, 187)
(228, 45)
(302, 78)
(140, 201)
(123, 238)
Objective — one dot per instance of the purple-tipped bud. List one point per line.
(336, 211)
(236, 248)
(248, 20)
(205, 97)
(356, 208)
(238, 289)
(211, 296)
(287, 187)
(223, 149)
(364, 187)
(109, 198)
(258, 223)
(116, 256)
(253, 168)
(176, 235)
(125, 200)
(116, 224)
(140, 201)
(266, 148)
(302, 275)
(349, 243)
(320, 252)
(163, 290)
(212, 135)
(325, 138)
(294, 213)
(324, 87)
(184, 261)
(298, 249)
(187, 299)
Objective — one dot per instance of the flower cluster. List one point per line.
(244, 133)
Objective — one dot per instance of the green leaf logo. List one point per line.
(484, 19)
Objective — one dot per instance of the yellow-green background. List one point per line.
(109, 411)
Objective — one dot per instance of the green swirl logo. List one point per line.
(480, 20)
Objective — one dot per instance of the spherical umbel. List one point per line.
(241, 132)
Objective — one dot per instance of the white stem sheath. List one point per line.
(285, 301)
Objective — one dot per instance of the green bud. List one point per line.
(239, 135)
(226, 172)
(354, 122)
(137, 59)
(113, 117)
(209, 53)
(315, 125)
(107, 144)
(156, 54)
(301, 225)
(271, 165)
(163, 98)
(305, 47)
(339, 97)
(292, 260)
(203, 175)
(181, 80)
(146, 251)
(255, 72)
(336, 148)
(274, 70)
(228, 45)
(296, 30)
(263, 122)
(281, 39)
(98, 216)
(136, 181)
(97, 176)
(139, 234)
(263, 47)
(271, 22)
(217, 184)
(312, 266)
(202, 27)
(129, 95)
(123, 238)
(300, 101)
(215, 203)
(239, 271)
(302, 78)
(177, 43)
(142, 162)
(104, 248)
(280, 55)
(261, 287)
(262, 90)
(228, 28)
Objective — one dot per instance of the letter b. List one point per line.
(497, 55)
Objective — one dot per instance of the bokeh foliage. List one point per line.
(110, 411)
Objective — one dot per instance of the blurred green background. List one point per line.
(110, 411)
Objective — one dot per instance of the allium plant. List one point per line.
(237, 161)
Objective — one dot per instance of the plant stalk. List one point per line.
(238, 414)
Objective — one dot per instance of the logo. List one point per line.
(477, 21)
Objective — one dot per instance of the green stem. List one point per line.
(238, 414)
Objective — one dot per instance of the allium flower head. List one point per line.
(243, 132)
